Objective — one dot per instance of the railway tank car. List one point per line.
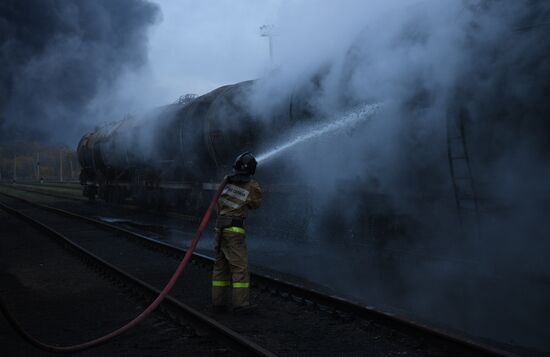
(173, 156)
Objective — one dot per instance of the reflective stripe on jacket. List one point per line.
(238, 197)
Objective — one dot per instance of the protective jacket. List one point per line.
(240, 194)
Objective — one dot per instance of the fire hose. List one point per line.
(103, 339)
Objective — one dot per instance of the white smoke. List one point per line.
(426, 58)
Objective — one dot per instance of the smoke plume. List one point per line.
(438, 65)
(57, 56)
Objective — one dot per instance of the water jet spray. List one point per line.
(350, 117)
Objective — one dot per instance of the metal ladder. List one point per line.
(467, 201)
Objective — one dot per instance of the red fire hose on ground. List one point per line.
(101, 340)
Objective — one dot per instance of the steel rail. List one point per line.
(74, 186)
(80, 198)
(195, 318)
(460, 345)
(46, 192)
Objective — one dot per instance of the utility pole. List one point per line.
(14, 167)
(71, 165)
(268, 31)
(38, 166)
(61, 165)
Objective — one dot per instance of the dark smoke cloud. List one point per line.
(57, 55)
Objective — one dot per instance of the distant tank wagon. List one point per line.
(187, 147)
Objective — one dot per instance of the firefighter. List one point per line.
(230, 275)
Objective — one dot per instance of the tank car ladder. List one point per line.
(467, 202)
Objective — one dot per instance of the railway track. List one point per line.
(43, 190)
(76, 195)
(68, 187)
(51, 308)
(72, 239)
(375, 326)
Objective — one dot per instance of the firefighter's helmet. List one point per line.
(245, 164)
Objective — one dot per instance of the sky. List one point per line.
(200, 46)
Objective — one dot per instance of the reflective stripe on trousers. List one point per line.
(220, 283)
(240, 285)
(235, 230)
(236, 285)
